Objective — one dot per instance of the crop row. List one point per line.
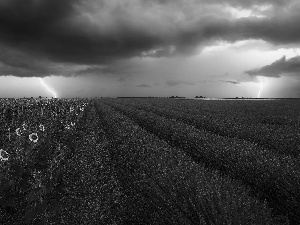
(270, 112)
(274, 114)
(283, 140)
(164, 186)
(92, 194)
(275, 177)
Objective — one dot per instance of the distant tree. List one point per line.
(40, 96)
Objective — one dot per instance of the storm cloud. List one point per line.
(278, 68)
(177, 82)
(51, 36)
(230, 82)
(144, 85)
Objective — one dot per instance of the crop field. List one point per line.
(149, 161)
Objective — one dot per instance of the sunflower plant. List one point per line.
(31, 157)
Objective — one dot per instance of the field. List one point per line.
(149, 161)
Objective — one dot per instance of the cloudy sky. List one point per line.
(89, 48)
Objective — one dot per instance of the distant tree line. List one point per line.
(175, 96)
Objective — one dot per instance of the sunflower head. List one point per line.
(3, 155)
(24, 126)
(33, 137)
(42, 128)
(18, 131)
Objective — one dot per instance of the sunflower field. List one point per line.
(35, 138)
(149, 161)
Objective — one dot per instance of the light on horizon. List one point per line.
(48, 88)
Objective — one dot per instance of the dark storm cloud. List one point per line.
(59, 30)
(177, 82)
(13, 62)
(144, 85)
(114, 68)
(278, 68)
(230, 82)
(96, 70)
(118, 68)
(99, 32)
(121, 79)
(33, 25)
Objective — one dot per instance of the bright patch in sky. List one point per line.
(48, 88)
(260, 86)
(243, 54)
(223, 45)
(256, 11)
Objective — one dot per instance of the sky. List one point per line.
(110, 48)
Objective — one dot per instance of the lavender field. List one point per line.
(149, 161)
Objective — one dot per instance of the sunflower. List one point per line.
(33, 137)
(42, 128)
(24, 125)
(18, 131)
(3, 155)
